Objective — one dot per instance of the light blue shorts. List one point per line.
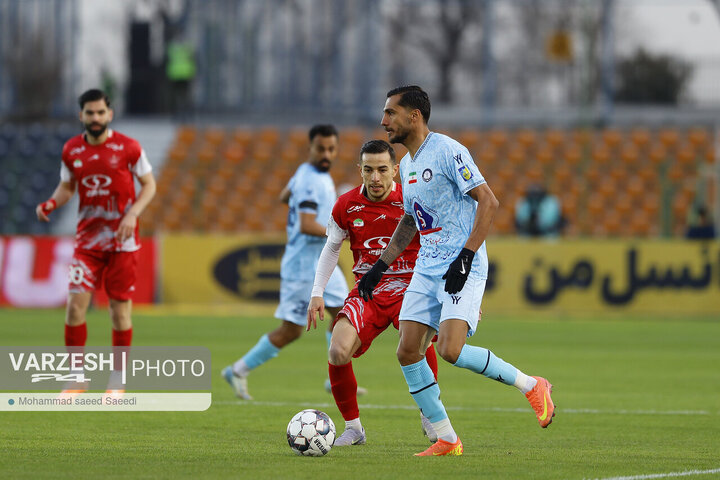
(427, 302)
(295, 297)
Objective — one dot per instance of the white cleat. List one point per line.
(239, 384)
(428, 429)
(350, 437)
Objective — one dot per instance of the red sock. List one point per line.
(75, 336)
(431, 358)
(121, 338)
(344, 390)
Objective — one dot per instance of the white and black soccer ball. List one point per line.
(311, 433)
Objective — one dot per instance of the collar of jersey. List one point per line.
(422, 146)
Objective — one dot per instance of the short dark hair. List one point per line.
(413, 97)
(93, 95)
(323, 131)
(378, 146)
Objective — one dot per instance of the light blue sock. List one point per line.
(483, 361)
(260, 353)
(328, 337)
(424, 390)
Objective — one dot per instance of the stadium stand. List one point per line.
(638, 181)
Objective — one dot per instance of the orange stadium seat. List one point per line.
(600, 155)
(572, 155)
(630, 155)
(658, 155)
(686, 156)
(555, 138)
(649, 175)
(498, 138)
(269, 135)
(669, 137)
(242, 136)
(233, 154)
(650, 205)
(607, 188)
(593, 175)
(470, 138)
(640, 137)
(698, 137)
(214, 136)
(581, 136)
(619, 174)
(178, 154)
(545, 155)
(611, 138)
(675, 173)
(516, 156)
(596, 205)
(186, 135)
(612, 223)
(526, 138)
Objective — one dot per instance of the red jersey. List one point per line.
(369, 226)
(106, 187)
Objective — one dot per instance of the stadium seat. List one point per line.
(525, 138)
(572, 155)
(669, 137)
(186, 135)
(516, 156)
(600, 155)
(611, 138)
(658, 155)
(630, 155)
(640, 137)
(498, 138)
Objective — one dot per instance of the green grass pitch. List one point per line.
(635, 397)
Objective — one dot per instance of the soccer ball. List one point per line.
(311, 433)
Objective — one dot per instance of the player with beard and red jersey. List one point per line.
(102, 165)
(367, 216)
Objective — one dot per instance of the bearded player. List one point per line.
(102, 165)
(367, 216)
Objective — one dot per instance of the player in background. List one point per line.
(102, 165)
(367, 216)
(310, 194)
(449, 202)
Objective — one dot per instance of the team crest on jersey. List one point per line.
(114, 161)
(465, 172)
(426, 218)
(77, 163)
(427, 175)
(358, 222)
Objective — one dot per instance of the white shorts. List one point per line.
(295, 297)
(427, 302)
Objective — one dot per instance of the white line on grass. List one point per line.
(664, 475)
(476, 409)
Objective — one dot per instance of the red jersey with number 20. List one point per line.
(369, 226)
(106, 186)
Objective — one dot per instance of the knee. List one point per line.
(449, 352)
(75, 314)
(337, 355)
(408, 355)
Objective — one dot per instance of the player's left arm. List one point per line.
(486, 208)
(129, 221)
(458, 271)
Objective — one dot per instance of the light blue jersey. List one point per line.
(311, 191)
(435, 184)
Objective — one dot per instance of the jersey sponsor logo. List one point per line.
(77, 150)
(465, 172)
(397, 204)
(115, 146)
(358, 222)
(96, 185)
(355, 208)
(114, 161)
(77, 163)
(458, 158)
(427, 175)
(425, 218)
(94, 157)
(376, 242)
(380, 217)
(412, 178)
(455, 299)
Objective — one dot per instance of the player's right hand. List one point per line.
(369, 281)
(315, 309)
(43, 210)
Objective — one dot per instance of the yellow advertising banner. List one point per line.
(650, 276)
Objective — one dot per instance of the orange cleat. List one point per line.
(541, 402)
(441, 447)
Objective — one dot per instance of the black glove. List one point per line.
(369, 281)
(458, 271)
